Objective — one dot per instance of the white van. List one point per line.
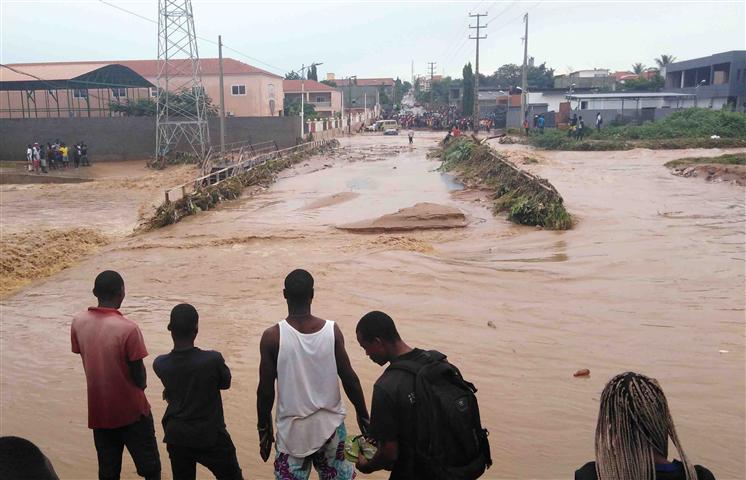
(384, 125)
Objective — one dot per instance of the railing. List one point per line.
(215, 177)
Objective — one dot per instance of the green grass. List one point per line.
(526, 199)
(691, 128)
(727, 159)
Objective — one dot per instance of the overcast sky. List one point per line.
(382, 38)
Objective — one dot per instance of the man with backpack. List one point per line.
(417, 387)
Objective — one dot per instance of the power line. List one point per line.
(279, 69)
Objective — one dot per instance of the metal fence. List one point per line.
(246, 162)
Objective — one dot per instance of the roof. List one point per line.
(146, 68)
(56, 77)
(601, 96)
(366, 82)
(292, 86)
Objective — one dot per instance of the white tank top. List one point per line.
(309, 404)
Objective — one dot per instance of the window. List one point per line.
(153, 92)
(238, 89)
(271, 88)
(320, 99)
(272, 107)
(80, 93)
(119, 92)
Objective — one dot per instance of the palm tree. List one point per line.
(664, 60)
(638, 68)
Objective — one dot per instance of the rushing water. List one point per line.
(651, 280)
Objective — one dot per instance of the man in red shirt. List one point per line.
(112, 349)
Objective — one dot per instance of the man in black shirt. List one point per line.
(392, 415)
(193, 423)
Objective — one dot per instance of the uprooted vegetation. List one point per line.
(527, 199)
(208, 197)
(691, 128)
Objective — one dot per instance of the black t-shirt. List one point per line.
(392, 416)
(672, 471)
(192, 380)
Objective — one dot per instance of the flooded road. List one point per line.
(651, 280)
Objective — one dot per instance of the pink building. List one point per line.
(72, 89)
(326, 100)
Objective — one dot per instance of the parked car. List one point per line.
(391, 131)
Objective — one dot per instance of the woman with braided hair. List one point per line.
(634, 426)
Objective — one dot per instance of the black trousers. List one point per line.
(220, 459)
(139, 438)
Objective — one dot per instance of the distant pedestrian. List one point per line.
(76, 155)
(573, 124)
(84, 155)
(410, 134)
(50, 156)
(37, 158)
(29, 157)
(65, 158)
(43, 158)
(580, 129)
(193, 425)
(525, 125)
(599, 121)
(112, 349)
(540, 123)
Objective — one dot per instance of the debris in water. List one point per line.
(583, 372)
(723, 351)
(491, 324)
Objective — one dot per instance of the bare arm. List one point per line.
(265, 393)
(350, 381)
(269, 347)
(138, 373)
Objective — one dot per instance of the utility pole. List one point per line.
(303, 97)
(524, 79)
(432, 69)
(222, 98)
(476, 73)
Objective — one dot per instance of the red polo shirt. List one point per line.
(106, 341)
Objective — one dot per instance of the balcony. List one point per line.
(321, 105)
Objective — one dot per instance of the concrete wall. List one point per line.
(121, 138)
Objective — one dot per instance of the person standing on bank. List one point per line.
(305, 354)
(417, 387)
(112, 349)
(193, 425)
(632, 435)
(599, 121)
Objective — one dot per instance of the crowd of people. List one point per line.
(41, 157)
(302, 361)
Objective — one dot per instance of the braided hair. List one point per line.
(634, 423)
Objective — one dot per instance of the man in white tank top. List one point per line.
(306, 354)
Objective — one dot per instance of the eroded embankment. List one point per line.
(527, 199)
(28, 256)
(206, 198)
(730, 167)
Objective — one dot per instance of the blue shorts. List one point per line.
(329, 461)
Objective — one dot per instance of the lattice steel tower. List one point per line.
(181, 108)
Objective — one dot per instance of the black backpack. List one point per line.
(450, 441)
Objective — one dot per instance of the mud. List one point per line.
(422, 216)
(714, 173)
(651, 279)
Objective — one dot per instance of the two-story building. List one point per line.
(367, 92)
(716, 80)
(326, 100)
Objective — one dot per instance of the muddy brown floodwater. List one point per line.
(651, 280)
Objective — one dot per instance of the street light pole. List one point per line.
(303, 97)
